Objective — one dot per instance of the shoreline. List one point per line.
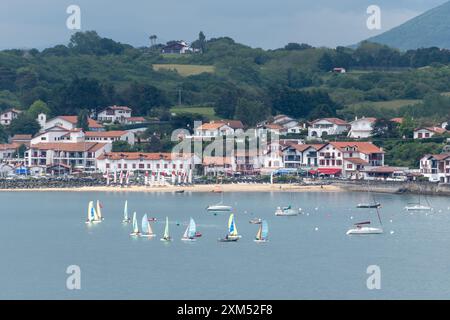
(195, 188)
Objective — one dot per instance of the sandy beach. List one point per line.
(195, 188)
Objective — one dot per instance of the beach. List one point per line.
(244, 187)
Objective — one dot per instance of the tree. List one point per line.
(406, 128)
(38, 107)
(326, 62)
(121, 146)
(143, 98)
(385, 128)
(225, 104)
(24, 124)
(83, 120)
(20, 153)
(250, 112)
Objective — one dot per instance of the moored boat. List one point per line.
(136, 231)
(146, 228)
(362, 228)
(190, 233)
(286, 211)
(166, 237)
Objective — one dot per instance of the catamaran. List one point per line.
(126, 219)
(232, 234)
(166, 236)
(146, 227)
(190, 233)
(286, 211)
(92, 214)
(263, 231)
(136, 231)
(99, 211)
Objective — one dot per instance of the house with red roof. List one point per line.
(218, 128)
(70, 122)
(428, 132)
(436, 167)
(115, 114)
(327, 126)
(296, 156)
(348, 158)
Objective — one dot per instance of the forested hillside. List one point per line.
(235, 80)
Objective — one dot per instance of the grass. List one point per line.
(392, 104)
(185, 70)
(205, 111)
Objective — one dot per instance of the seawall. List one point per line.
(398, 187)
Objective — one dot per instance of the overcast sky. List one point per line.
(258, 23)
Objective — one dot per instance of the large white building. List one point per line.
(219, 128)
(115, 114)
(66, 122)
(361, 128)
(327, 126)
(428, 132)
(436, 167)
(9, 115)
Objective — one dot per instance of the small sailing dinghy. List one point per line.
(146, 228)
(166, 236)
(286, 211)
(232, 234)
(363, 228)
(126, 218)
(136, 231)
(190, 233)
(263, 231)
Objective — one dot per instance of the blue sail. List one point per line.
(144, 223)
(265, 230)
(92, 213)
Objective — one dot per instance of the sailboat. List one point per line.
(263, 231)
(146, 227)
(190, 233)
(369, 205)
(166, 236)
(136, 231)
(219, 207)
(418, 206)
(99, 211)
(232, 234)
(362, 228)
(126, 219)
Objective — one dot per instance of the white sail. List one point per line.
(135, 224)
(99, 211)
(91, 215)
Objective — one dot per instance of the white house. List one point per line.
(328, 126)
(68, 122)
(436, 167)
(220, 128)
(361, 128)
(348, 159)
(9, 115)
(428, 132)
(8, 150)
(177, 47)
(115, 114)
(301, 155)
(162, 163)
(110, 136)
(76, 155)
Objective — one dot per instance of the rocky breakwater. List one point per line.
(399, 187)
(50, 182)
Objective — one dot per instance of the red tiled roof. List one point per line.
(397, 120)
(141, 119)
(437, 130)
(370, 119)
(9, 146)
(356, 161)
(364, 147)
(336, 121)
(105, 134)
(124, 108)
(74, 119)
(303, 147)
(22, 137)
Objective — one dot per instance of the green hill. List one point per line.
(430, 29)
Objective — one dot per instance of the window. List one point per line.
(141, 166)
(125, 166)
(119, 166)
(158, 166)
(149, 165)
(349, 166)
(134, 165)
(339, 162)
(108, 166)
(322, 162)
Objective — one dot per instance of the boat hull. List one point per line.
(364, 231)
(260, 241)
(166, 239)
(188, 239)
(418, 208)
(286, 213)
(148, 235)
(219, 208)
(368, 206)
(135, 234)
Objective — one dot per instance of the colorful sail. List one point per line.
(264, 230)
(232, 230)
(135, 224)
(259, 233)
(91, 213)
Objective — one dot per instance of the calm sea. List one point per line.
(308, 256)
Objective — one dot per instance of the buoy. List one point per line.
(351, 218)
(390, 221)
(392, 231)
(316, 229)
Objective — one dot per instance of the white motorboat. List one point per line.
(418, 207)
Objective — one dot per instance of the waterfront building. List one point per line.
(436, 167)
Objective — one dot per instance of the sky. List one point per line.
(267, 24)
